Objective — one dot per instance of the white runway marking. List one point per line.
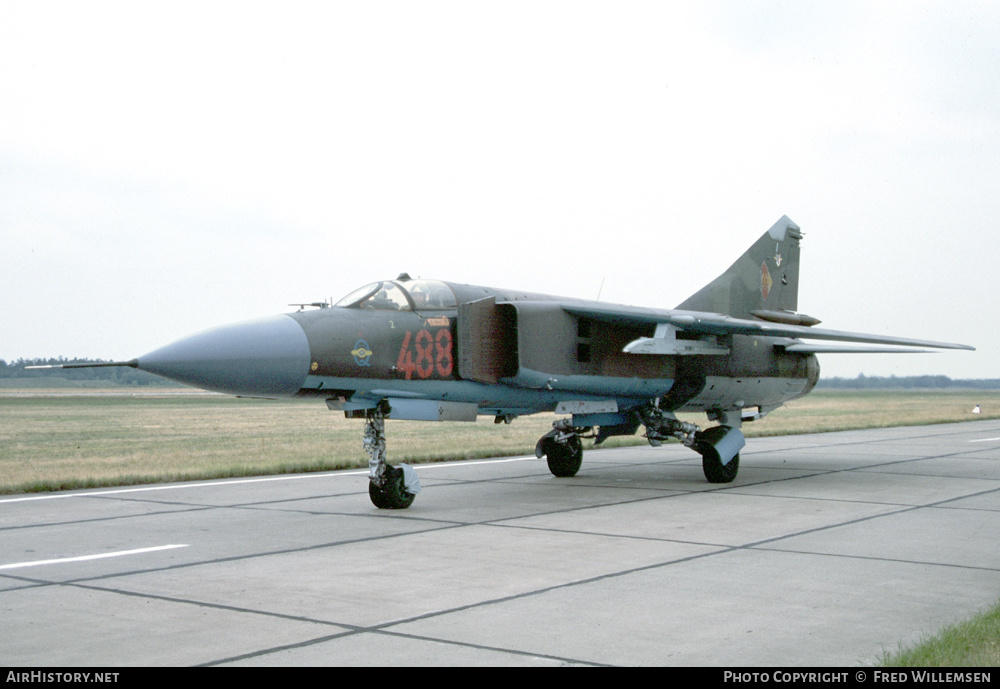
(263, 479)
(985, 440)
(176, 486)
(83, 558)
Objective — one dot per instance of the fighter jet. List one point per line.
(440, 351)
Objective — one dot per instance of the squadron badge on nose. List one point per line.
(361, 353)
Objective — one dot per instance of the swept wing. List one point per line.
(719, 325)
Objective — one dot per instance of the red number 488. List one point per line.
(426, 354)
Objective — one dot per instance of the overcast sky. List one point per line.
(168, 167)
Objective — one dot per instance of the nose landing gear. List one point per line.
(389, 487)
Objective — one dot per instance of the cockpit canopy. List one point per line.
(409, 295)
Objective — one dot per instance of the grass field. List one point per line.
(73, 439)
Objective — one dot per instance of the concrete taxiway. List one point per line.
(826, 550)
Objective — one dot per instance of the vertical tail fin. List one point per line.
(765, 278)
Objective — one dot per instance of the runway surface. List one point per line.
(826, 550)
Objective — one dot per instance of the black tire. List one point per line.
(714, 470)
(711, 463)
(563, 460)
(393, 494)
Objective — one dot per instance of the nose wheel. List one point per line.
(392, 494)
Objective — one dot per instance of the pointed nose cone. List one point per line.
(268, 357)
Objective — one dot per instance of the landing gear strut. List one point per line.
(661, 426)
(389, 487)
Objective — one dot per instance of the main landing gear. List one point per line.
(719, 446)
(562, 448)
(707, 444)
(389, 487)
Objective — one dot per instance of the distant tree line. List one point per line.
(863, 382)
(15, 373)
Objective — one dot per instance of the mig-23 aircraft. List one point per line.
(438, 351)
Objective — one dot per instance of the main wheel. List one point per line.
(711, 463)
(715, 471)
(564, 460)
(392, 495)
